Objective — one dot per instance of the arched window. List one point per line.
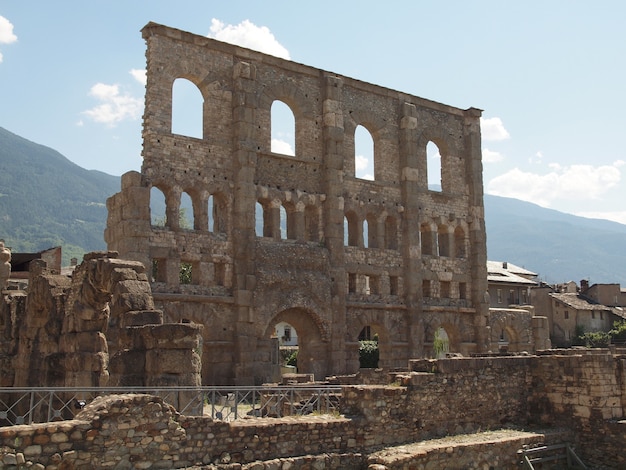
(352, 225)
(443, 240)
(363, 154)
(429, 246)
(157, 208)
(187, 105)
(433, 165)
(283, 129)
(283, 222)
(262, 225)
(185, 212)
(391, 233)
(459, 242)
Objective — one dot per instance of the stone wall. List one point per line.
(98, 327)
(451, 397)
(278, 237)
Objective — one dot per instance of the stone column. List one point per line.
(333, 220)
(244, 236)
(476, 223)
(411, 253)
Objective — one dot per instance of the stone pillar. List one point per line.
(128, 223)
(244, 236)
(541, 333)
(411, 253)
(476, 223)
(333, 208)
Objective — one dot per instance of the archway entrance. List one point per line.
(305, 335)
(287, 338)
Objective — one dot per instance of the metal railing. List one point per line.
(45, 404)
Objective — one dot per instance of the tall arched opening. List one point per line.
(312, 348)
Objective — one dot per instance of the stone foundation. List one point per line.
(455, 398)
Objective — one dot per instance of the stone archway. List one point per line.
(313, 355)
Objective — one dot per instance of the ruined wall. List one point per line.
(422, 265)
(583, 393)
(98, 327)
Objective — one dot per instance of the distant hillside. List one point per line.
(559, 247)
(46, 200)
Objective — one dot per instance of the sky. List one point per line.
(550, 77)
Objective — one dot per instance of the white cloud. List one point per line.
(614, 216)
(282, 147)
(247, 34)
(491, 157)
(361, 163)
(114, 107)
(576, 182)
(6, 33)
(493, 129)
(139, 75)
(537, 158)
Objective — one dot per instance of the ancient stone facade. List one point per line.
(98, 327)
(421, 267)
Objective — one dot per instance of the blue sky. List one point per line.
(549, 75)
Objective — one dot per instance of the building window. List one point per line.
(426, 288)
(393, 285)
(566, 314)
(444, 290)
(462, 291)
(351, 283)
(499, 296)
(593, 314)
(374, 285)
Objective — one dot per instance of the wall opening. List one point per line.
(443, 241)
(187, 103)
(352, 234)
(441, 343)
(433, 166)
(261, 225)
(363, 154)
(283, 127)
(185, 212)
(369, 352)
(157, 208)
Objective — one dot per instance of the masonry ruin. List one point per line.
(420, 267)
(96, 328)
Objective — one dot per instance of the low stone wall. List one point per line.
(448, 397)
(491, 449)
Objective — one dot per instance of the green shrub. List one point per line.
(293, 359)
(368, 354)
(619, 331)
(596, 339)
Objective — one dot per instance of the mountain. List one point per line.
(46, 201)
(559, 247)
